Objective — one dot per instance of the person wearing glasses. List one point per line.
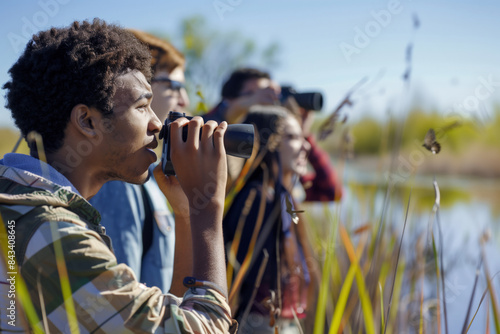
(147, 245)
(245, 88)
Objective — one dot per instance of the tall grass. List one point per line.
(23, 294)
(366, 301)
(367, 276)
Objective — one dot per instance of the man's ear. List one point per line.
(84, 120)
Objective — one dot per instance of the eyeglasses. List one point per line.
(172, 84)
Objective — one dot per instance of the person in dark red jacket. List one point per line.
(323, 184)
(247, 87)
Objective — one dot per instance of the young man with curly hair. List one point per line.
(81, 97)
(137, 217)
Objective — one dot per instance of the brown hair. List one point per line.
(164, 55)
(232, 87)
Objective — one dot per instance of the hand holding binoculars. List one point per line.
(238, 140)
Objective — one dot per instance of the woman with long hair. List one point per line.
(265, 251)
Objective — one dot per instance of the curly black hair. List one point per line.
(63, 67)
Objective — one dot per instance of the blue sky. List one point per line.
(456, 49)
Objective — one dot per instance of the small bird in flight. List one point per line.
(430, 142)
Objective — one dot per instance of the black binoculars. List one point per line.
(238, 140)
(308, 101)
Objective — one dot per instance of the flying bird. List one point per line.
(430, 142)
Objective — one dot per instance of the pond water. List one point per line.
(468, 208)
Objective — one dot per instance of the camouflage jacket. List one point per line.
(105, 296)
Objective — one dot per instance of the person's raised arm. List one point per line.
(322, 184)
(201, 168)
(183, 252)
(238, 107)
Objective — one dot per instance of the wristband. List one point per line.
(193, 283)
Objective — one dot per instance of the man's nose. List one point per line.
(155, 124)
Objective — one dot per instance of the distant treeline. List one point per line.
(370, 136)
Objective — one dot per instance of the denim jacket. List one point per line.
(122, 210)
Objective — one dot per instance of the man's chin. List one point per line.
(143, 178)
(148, 176)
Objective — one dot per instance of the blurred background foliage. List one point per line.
(211, 55)
(458, 134)
(469, 147)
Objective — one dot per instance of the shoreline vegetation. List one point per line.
(470, 147)
(475, 162)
